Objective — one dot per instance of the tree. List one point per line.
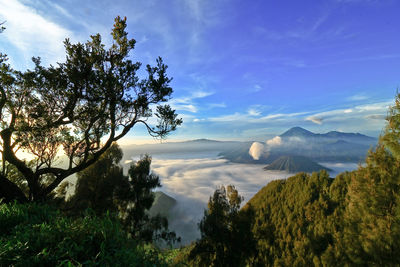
(134, 197)
(79, 107)
(96, 186)
(373, 212)
(226, 237)
(103, 188)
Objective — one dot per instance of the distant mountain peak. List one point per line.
(301, 132)
(297, 131)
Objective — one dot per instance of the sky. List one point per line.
(242, 70)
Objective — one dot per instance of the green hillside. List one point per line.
(162, 204)
(299, 221)
(294, 164)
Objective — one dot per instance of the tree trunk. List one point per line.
(10, 192)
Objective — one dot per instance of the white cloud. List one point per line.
(187, 103)
(31, 33)
(230, 118)
(380, 106)
(197, 178)
(357, 97)
(276, 141)
(282, 116)
(253, 112)
(190, 108)
(257, 88)
(200, 94)
(191, 181)
(217, 105)
(314, 119)
(380, 117)
(249, 117)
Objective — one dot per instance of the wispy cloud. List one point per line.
(187, 103)
(255, 110)
(380, 117)
(31, 33)
(315, 119)
(377, 57)
(368, 111)
(368, 117)
(257, 88)
(253, 116)
(216, 105)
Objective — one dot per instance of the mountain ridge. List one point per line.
(299, 131)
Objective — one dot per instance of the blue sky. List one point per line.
(243, 70)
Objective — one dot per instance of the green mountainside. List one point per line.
(299, 221)
(294, 164)
(162, 204)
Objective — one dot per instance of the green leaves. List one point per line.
(80, 106)
(226, 237)
(38, 235)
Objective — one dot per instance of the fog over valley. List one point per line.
(192, 177)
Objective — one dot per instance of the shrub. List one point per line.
(39, 235)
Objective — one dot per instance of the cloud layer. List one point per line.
(192, 180)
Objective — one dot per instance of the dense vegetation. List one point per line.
(39, 235)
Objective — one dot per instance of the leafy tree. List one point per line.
(373, 212)
(96, 186)
(103, 188)
(226, 238)
(79, 107)
(9, 190)
(134, 197)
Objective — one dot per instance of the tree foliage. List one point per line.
(373, 213)
(80, 107)
(40, 235)
(226, 238)
(104, 188)
(96, 186)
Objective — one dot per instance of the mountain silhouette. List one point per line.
(295, 164)
(297, 132)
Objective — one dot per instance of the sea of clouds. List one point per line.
(192, 178)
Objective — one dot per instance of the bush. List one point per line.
(39, 235)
